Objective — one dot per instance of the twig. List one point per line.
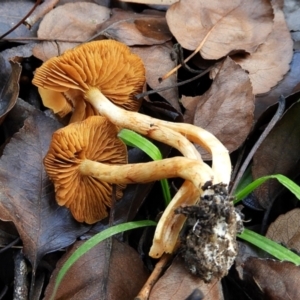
(159, 267)
(141, 95)
(276, 117)
(45, 7)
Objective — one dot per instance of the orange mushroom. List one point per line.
(86, 158)
(78, 73)
(107, 65)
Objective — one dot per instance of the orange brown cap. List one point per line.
(107, 65)
(95, 139)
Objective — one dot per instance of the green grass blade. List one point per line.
(92, 242)
(133, 139)
(269, 246)
(289, 184)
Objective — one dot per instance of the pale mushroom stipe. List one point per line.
(102, 78)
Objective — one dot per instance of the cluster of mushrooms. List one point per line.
(97, 82)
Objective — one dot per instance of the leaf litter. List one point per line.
(250, 46)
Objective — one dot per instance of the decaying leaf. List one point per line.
(157, 61)
(223, 27)
(226, 109)
(27, 196)
(274, 279)
(270, 62)
(278, 154)
(178, 283)
(286, 230)
(288, 85)
(71, 22)
(9, 86)
(136, 29)
(110, 270)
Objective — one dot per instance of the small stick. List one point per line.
(44, 8)
(158, 269)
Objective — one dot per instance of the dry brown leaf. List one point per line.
(226, 109)
(136, 29)
(157, 61)
(286, 229)
(271, 60)
(110, 270)
(190, 104)
(71, 22)
(225, 26)
(177, 284)
(288, 85)
(275, 280)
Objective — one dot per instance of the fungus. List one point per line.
(107, 65)
(86, 158)
(101, 75)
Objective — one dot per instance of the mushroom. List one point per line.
(86, 158)
(107, 65)
(82, 72)
(106, 75)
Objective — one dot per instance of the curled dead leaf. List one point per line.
(234, 25)
(136, 29)
(270, 62)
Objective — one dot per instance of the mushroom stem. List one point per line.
(142, 124)
(158, 129)
(193, 170)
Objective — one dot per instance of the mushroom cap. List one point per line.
(95, 139)
(107, 65)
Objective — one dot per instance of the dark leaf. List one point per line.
(9, 86)
(12, 12)
(27, 196)
(278, 154)
(111, 270)
(275, 280)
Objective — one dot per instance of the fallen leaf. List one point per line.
(12, 12)
(71, 22)
(288, 85)
(270, 62)
(276, 280)
(190, 105)
(9, 86)
(226, 109)
(177, 283)
(136, 29)
(234, 25)
(278, 154)
(157, 61)
(27, 196)
(286, 230)
(110, 270)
